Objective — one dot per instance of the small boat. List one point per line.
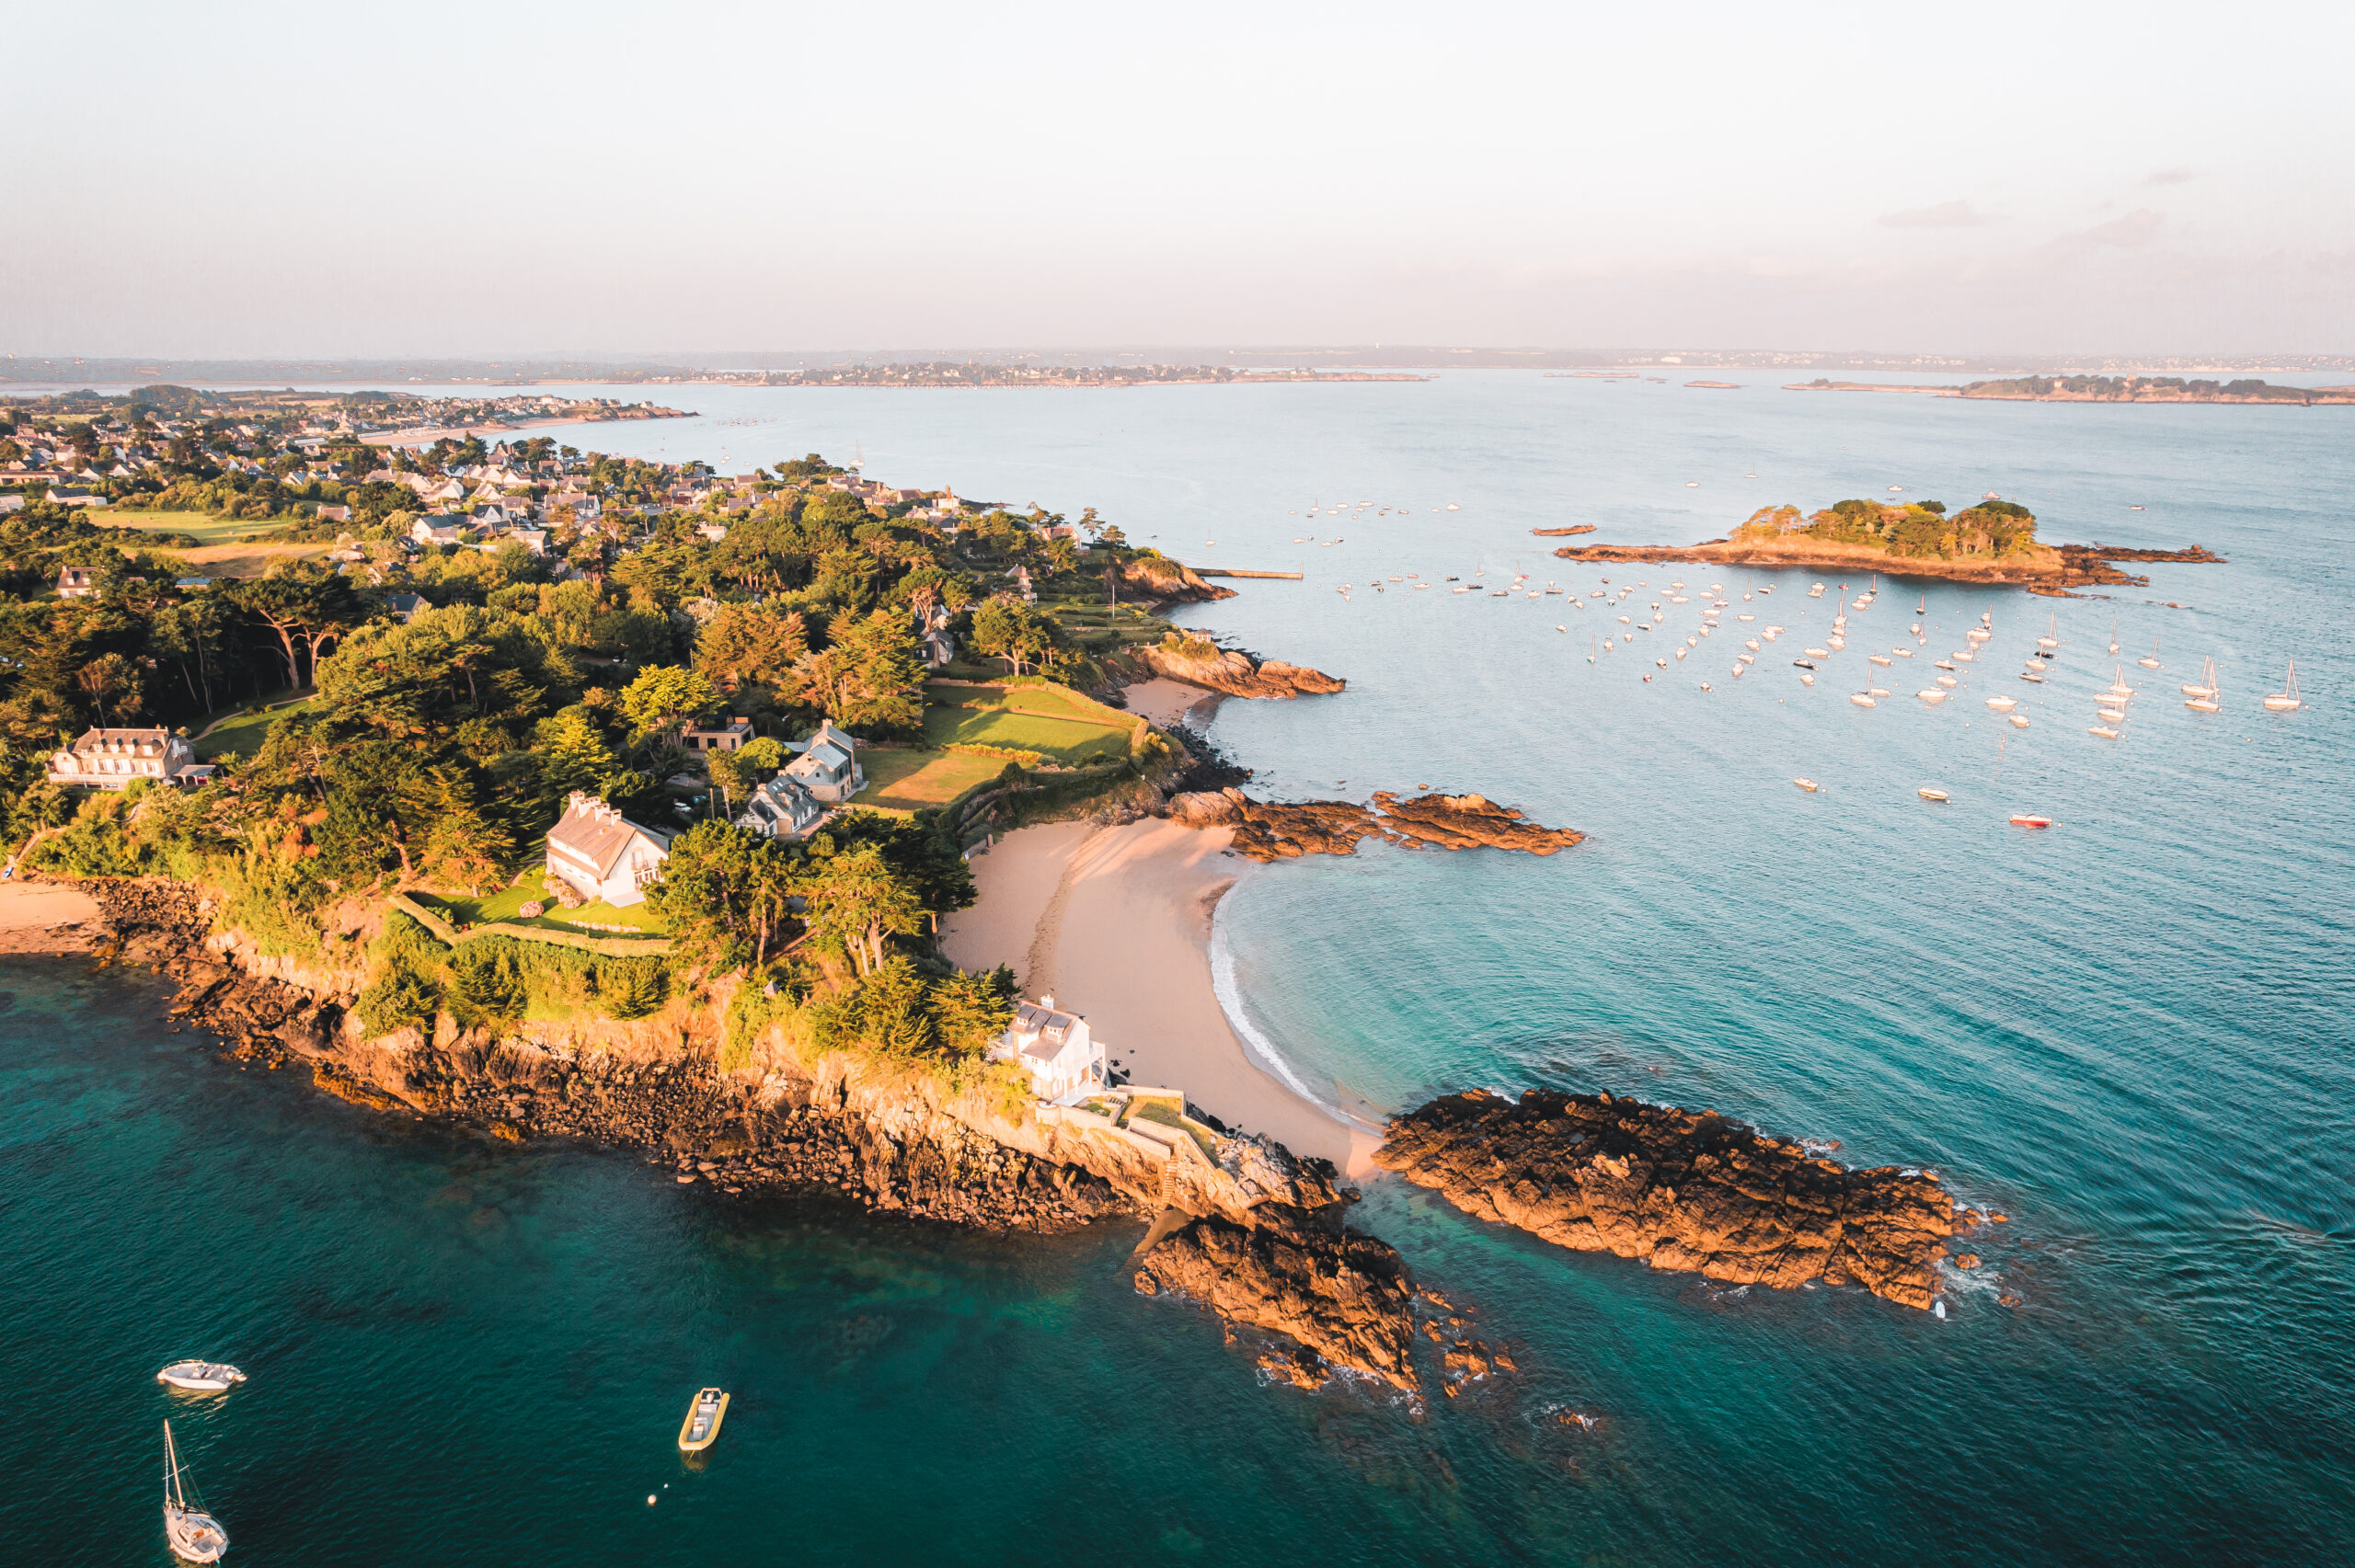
(1902, 652)
(1965, 656)
(2104, 731)
(1806, 680)
(1804, 663)
(2203, 696)
(201, 1377)
(2051, 637)
(705, 1412)
(2287, 699)
(1928, 794)
(194, 1535)
(2032, 675)
(1819, 653)
(2022, 820)
(1878, 657)
(1863, 700)
(1931, 695)
(1943, 663)
(1946, 681)
(2151, 661)
(2001, 705)
(2110, 715)
(1808, 784)
(2020, 719)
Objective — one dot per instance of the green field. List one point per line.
(203, 526)
(241, 735)
(912, 780)
(1059, 725)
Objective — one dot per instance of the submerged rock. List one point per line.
(1267, 831)
(1679, 1189)
(1342, 1294)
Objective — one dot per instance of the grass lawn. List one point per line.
(507, 904)
(241, 735)
(203, 526)
(1057, 725)
(915, 779)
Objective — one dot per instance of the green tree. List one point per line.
(861, 899)
(664, 696)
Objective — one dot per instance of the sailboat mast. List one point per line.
(172, 1469)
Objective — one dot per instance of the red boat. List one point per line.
(2031, 821)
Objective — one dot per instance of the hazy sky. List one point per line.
(484, 178)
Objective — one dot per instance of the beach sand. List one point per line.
(1115, 924)
(32, 913)
(1167, 702)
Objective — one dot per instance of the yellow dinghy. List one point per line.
(701, 1428)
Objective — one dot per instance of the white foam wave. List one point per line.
(1256, 1044)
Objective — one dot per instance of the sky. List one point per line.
(254, 180)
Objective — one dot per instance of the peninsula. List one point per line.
(975, 373)
(2106, 389)
(1991, 542)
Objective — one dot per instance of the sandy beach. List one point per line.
(45, 917)
(1115, 923)
(1163, 702)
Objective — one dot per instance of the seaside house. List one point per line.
(828, 766)
(782, 808)
(77, 582)
(437, 528)
(601, 855)
(1055, 1047)
(110, 759)
(404, 606)
(716, 736)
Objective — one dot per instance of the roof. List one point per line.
(594, 834)
(120, 740)
(1052, 1025)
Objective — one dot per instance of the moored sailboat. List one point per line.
(194, 1535)
(2287, 699)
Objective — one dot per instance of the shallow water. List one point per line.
(2129, 1033)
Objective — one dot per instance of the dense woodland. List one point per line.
(1920, 529)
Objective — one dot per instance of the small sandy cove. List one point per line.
(1171, 703)
(34, 918)
(1114, 924)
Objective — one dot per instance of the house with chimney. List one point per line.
(601, 854)
(110, 759)
(1064, 1059)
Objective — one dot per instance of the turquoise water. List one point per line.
(2129, 1033)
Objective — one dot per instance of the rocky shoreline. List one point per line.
(1679, 1190)
(1272, 830)
(2071, 566)
(1199, 663)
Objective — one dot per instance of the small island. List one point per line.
(2105, 389)
(1990, 542)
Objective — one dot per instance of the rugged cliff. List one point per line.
(1199, 663)
(1679, 1189)
(1268, 831)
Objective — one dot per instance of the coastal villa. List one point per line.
(77, 582)
(828, 766)
(110, 759)
(783, 809)
(717, 737)
(1064, 1060)
(601, 855)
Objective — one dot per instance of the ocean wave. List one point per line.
(1256, 1044)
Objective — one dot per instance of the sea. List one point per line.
(2128, 1032)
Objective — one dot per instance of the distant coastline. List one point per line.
(2105, 389)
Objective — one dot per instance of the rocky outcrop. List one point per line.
(1267, 831)
(1157, 577)
(1201, 663)
(2058, 566)
(1343, 1298)
(1563, 532)
(1679, 1189)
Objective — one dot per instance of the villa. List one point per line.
(601, 854)
(1063, 1060)
(828, 766)
(725, 736)
(110, 759)
(782, 808)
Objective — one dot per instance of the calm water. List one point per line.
(2129, 1033)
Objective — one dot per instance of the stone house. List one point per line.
(783, 809)
(110, 759)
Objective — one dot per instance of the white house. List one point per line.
(110, 759)
(1055, 1048)
(828, 766)
(728, 736)
(603, 856)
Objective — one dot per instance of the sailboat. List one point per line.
(2113, 634)
(2051, 637)
(2287, 699)
(2203, 697)
(195, 1536)
(2151, 662)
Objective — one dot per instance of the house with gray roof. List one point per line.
(603, 854)
(827, 765)
(1065, 1060)
(783, 809)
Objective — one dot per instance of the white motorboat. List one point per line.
(1806, 680)
(2104, 731)
(1928, 794)
(2002, 705)
(1931, 695)
(1946, 681)
(700, 1427)
(1819, 653)
(2287, 699)
(2020, 719)
(1808, 784)
(194, 1535)
(1864, 700)
(201, 1377)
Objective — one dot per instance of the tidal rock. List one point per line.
(1199, 662)
(1267, 831)
(1679, 1189)
(1301, 1274)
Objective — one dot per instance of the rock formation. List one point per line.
(1267, 831)
(1157, 577)
(1201, 663)
(1563, 532)
(2057, 566)
(1679, 1189)
(1343, 1298)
